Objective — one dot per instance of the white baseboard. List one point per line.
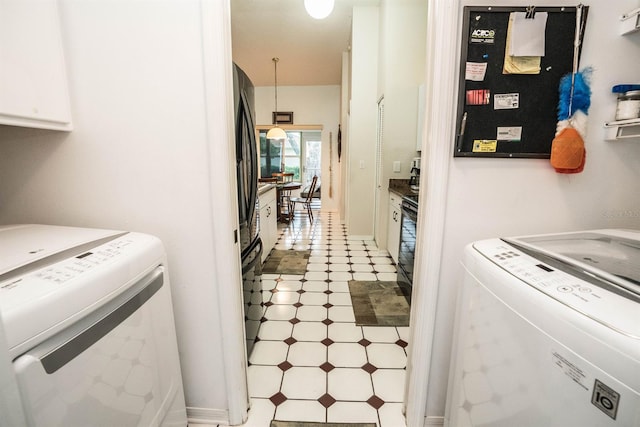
(207, 416)
(434, 421)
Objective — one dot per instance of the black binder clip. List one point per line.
(531, 12)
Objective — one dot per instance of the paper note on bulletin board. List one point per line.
(511, 115)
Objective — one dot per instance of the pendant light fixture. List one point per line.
(319, 9)
(276, 132)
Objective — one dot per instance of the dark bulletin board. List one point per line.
(537, 93)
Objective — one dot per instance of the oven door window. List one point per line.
(407, 244)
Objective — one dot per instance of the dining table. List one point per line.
(283, 214)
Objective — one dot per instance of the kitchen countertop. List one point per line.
(263, 187)
(401, 187)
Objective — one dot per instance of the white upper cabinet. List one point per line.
(33, 80)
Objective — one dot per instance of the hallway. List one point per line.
(311, 362)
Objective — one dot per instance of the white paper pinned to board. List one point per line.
(528, 35)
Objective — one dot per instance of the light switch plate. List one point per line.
(396, 166)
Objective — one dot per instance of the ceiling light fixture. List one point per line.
(319, 9)
(276, 132)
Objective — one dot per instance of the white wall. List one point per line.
(490, 198)
(361, 151)
(401, 70)
(311, 105)
(141, 158)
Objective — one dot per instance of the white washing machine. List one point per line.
(89, 325)
(548, 332)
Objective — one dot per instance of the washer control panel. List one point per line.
(613, 310)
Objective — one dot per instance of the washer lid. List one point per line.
(28, 246)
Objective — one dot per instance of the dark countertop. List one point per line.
(401, 187)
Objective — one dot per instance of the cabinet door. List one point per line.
(33, 81)
(268, 221)
(393, 232)
(265, 213)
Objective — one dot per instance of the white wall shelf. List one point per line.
(622, 130)
(630, 22)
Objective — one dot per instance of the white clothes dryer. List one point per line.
(548, 332)
(89, 326)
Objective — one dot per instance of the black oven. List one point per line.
(407, 251)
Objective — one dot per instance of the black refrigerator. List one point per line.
(248, 209)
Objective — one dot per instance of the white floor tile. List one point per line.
(391, 415)
(315, 286)
(310, 331)
(292, 276)
(261, 413)
(347, 355)
(361, 268)
(338, 247)
(386, 356)
(280, 312)
(387, 277)
(365, 276)
(388, 384)
(289, 285)
(338, 259)
(404, 333)
(313, 298)
(312, 313)
(319, 252)
(316, 275)
(340, 276)
(307, 354)
(360, 259)
(268, 284)
(318, 259)
(338, 253)
(379, 253)
(340, 298)
(341, 313)
(344, 332)
(339, 267)
(317, 267)
(358, 253)
(339, 286)
(384, 268)
(349, 384)
(285, 297)
(268, 353)
(301, 410)
(264, 381)
(381, 260)
(304, 383)
(275, 330)
(386, 334)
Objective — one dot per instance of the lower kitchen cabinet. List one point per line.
(268, 221)
(393, 227)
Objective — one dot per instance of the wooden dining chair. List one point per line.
(285, 195)
(305, 201)
(268, 180)
(283, 176)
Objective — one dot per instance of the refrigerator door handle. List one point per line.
(258, 257)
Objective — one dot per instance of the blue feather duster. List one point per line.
(580, 100)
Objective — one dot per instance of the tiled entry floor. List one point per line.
(312, 363)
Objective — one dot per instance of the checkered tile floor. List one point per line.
(311, 362)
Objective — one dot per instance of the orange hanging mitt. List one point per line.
(568, 154)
